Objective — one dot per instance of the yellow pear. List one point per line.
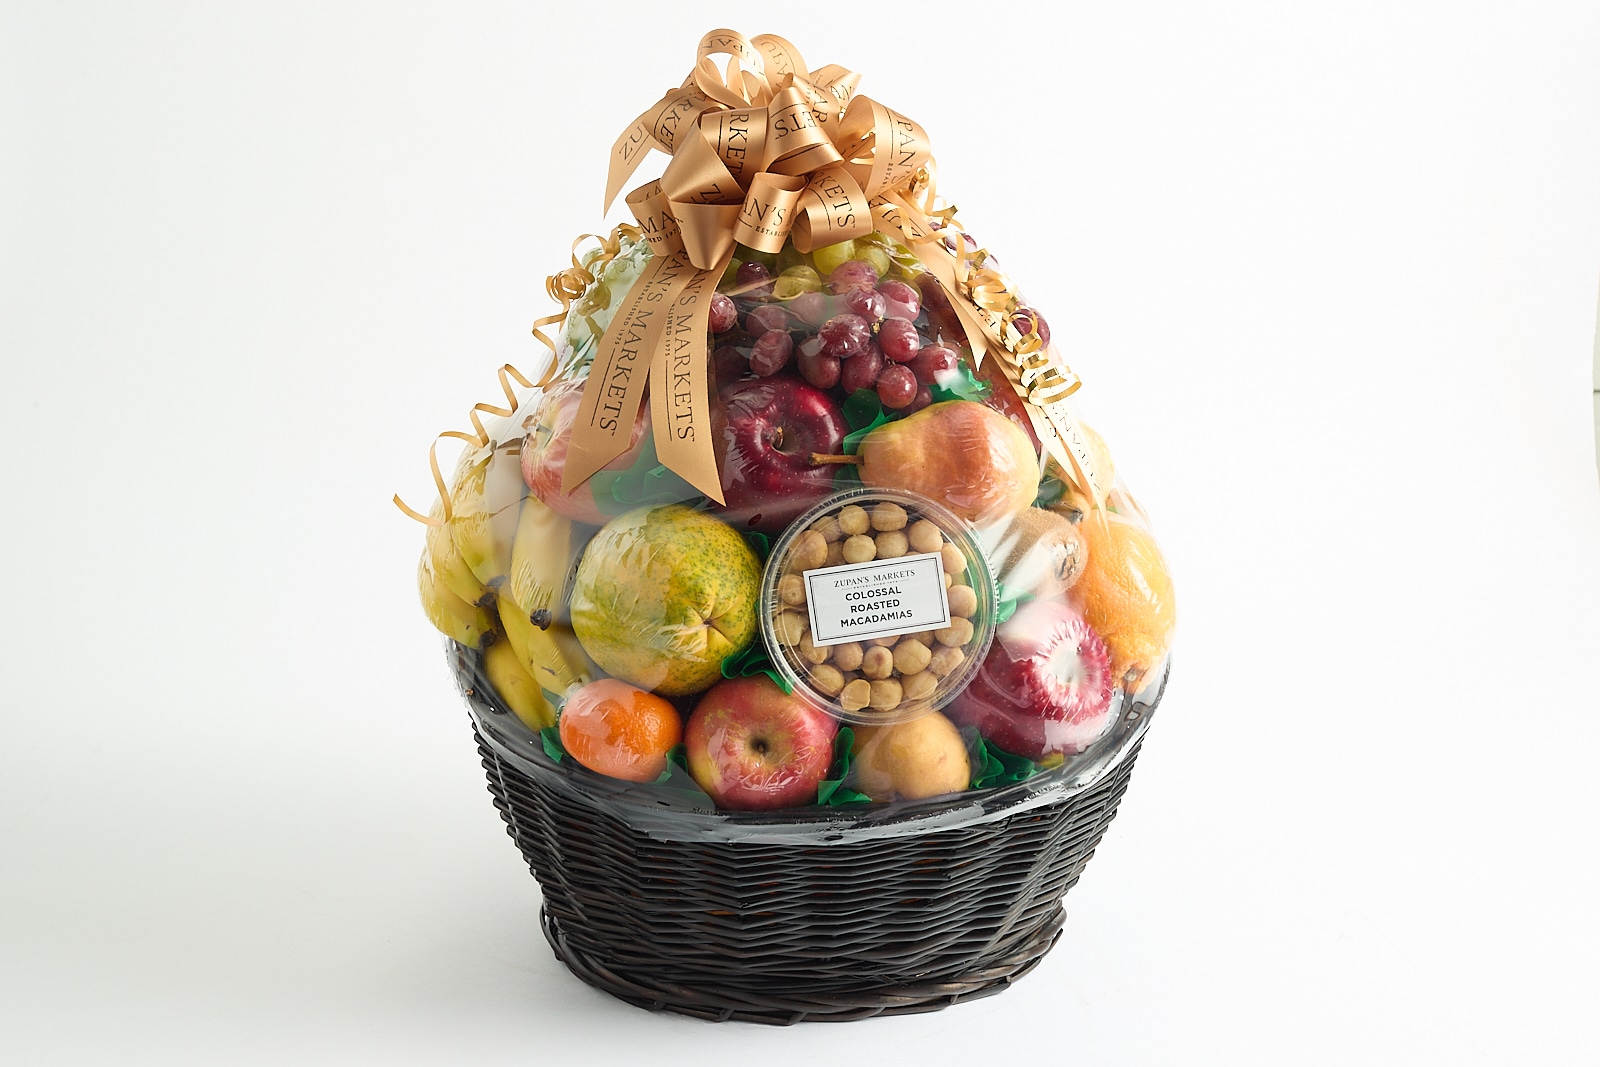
(913, 760)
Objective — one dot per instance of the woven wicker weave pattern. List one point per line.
(779, 932)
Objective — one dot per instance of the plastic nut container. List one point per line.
(878, 604)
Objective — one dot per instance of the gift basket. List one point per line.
(808, 634)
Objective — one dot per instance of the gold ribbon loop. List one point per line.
(988, 290)
(729, 90)
(656, 221)
(838, 82)
(708, 231)
(1046, 383)
(895, 146)
(769, 211)
(657, 127)
(676, 114)
(725, 42)
(697, 175)
(824, 108)
(796, 141)
(737, 137)
(778, 58)
(705, 199)
(833, 208)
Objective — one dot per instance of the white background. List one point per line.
(1328, 271)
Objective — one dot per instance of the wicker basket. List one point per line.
(835, 914)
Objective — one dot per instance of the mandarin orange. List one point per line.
(619, 730)
(1125, 594)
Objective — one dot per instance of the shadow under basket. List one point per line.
(823, 914)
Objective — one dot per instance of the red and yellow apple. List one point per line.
(753, 747)
(544, 454)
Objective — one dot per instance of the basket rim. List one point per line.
(668, 815)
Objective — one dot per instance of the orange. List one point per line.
(619, 730)
(1125, 594)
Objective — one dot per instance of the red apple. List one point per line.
(753, 747)
(1043, 687)
(773, 426)
(544, 453)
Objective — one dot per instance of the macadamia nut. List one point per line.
(911, 657)
(888, 516)
(827, 678)
(958, 633)
(944, 660)
(853, 519)
(924, 536)
(859, 548)
(963, 601)
(891, 544)
(810, 550)
(847, 656)
(810, 652)
(790, 626)
(884, 695)
(919, 686)
(877, 663)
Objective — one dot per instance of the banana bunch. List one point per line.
(504, 554)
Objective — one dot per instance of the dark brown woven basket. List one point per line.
(831, 914)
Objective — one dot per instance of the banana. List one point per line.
(451, 569)
(572, 648)
(540, 651)
(541, 562)
(450, 615)
(517, 687)
(484, 507)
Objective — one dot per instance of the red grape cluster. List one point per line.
(860, 332)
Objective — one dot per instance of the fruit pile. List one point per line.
(650, 633)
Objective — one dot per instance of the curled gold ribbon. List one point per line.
(568, 285)
(478, 439)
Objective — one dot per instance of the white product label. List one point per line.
(883, 598)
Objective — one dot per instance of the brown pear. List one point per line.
(916, 759)
(961, 454)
